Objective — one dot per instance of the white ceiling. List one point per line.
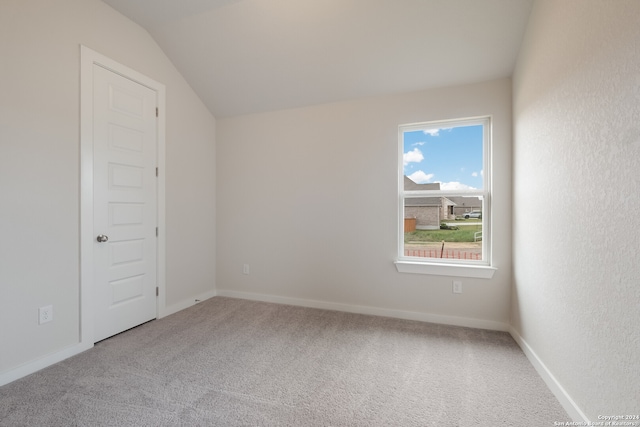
(247, 56)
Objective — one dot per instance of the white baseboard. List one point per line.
(38, 364)
(374, 311)
(174, 308)
(43, 362)
(556, 388)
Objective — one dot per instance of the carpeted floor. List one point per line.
(229, 362)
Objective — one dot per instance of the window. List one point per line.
(445, 198)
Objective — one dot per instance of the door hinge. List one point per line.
(156, 171)
(156, 231)
(157, 112)
(157, 291)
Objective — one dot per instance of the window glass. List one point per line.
(444, 191)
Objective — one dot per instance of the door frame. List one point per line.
(88, 59)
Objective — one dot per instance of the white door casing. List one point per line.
(122, 143)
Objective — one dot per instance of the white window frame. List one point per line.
(448, 267)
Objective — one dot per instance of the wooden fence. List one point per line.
(447, 253)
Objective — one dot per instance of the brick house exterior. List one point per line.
(465, 205)
(428, 211)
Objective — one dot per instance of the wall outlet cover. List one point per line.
(457, 287)
(45, 314)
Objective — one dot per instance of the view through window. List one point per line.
(444, 191)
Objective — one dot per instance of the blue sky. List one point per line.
(450, 156)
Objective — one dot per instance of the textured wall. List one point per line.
(40, 168)
(337, 164)
(576, 298)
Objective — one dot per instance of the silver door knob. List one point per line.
(102, 238)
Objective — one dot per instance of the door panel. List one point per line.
(125, 203)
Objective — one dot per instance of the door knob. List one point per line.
(102, 238)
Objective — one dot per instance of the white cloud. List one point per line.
(434, 132)
(420, 177)
(413, 156)
(474, 174)
(420, 144)
(454, 185)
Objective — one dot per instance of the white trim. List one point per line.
(374, 311)
(478, 269)
(89, 58)
(174, 308)
(43, 362)
(457, 270)
(550, 380)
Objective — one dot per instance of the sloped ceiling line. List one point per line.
(248, 56)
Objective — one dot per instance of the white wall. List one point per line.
(39, 168)
(308, 198)
(576, 297)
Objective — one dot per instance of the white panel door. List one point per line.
(125, 203)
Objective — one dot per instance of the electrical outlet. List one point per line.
(457, 287)
(45, 314)
(245, 269)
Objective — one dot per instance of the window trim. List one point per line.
(434, 266)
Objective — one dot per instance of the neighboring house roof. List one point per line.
(466, 201)
(413, 186)
(428, 201)
(437, 201)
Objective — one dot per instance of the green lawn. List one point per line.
(463, 234)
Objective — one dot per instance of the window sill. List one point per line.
(466, 270)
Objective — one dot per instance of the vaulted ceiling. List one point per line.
(247, 56)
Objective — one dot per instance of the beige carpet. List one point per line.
(229, 362)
